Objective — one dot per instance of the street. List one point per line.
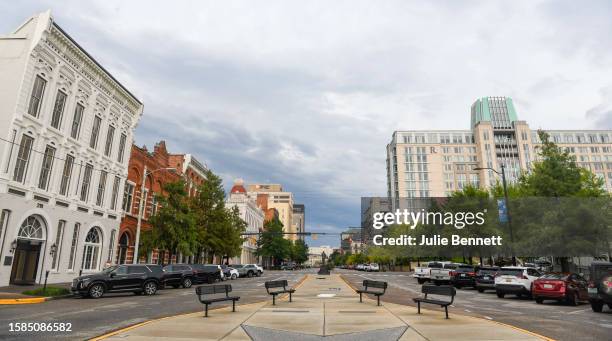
(554, 320)
(92, 318)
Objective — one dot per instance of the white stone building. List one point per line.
(66, 126)
(315, 254)
(252, 215)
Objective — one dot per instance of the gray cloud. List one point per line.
(307, 94)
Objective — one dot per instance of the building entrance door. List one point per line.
(25, 263)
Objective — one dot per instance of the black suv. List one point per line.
(463, 276)
(138, 278)
(176, 275)
(600, 286)
(485, 278)
(207, 273)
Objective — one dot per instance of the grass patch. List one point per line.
(49, 292)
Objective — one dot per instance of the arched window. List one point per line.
(124, 241)
(92, 247)
(31, 228)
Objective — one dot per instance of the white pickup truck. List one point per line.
(443, 275)
(423, 273)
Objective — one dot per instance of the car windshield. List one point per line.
(109, 269)
(510, 272)
(463, 268)
(435, 265)
(555, 276)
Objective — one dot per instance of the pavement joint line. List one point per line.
(128, 328)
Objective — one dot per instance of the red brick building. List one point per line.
(162, 167)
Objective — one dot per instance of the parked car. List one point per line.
(248, 270)
(423, 273)
(443, 275)
(558, 286)
(517, 280)
(226, 272)
(485, 278)
(234, 273)
(207, 273)
(177, 275)
(360, 267)
(600, 286)
(138, 278)
(372, 267)
(463, 276)
(288, 266)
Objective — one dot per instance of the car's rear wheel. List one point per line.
(572, 299)
(539, 300)
(187, 283)
(500, 294)
(234, 276)
(150, 288)
(250, 274)
(597, 306)
(96, 291)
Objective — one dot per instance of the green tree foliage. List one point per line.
(299, 251)
(173, 225)
(272, 244)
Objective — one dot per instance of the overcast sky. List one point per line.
(308, 93)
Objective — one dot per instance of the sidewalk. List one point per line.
(13, 294)
(323, 306)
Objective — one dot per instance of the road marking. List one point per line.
(578, 311)
(487, 317)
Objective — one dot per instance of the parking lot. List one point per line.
(550, 319)
(93, 317)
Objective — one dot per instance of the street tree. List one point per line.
(272, 244)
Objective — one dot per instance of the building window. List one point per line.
(124, 243)
(121, 148)
(101, 187)
(91, 249)
(37, 95)
(58, 245)
(128, 196)
(58, 109)
(66, 174)
(86, 182)
(95, 131)
(109, 140)
(111, 246)
(73, 246)
(76, 121)
(46, 168)
(4, 219)
(115, 193)
(23, 158)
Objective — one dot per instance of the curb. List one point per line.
(475, 317)
(31, 300)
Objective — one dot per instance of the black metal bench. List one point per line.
(279, 287)
(204, 290)
(368, 284)
(442, 290)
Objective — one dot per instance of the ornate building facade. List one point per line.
(254, 218)
(66, 125)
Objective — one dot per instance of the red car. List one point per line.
(569, 287)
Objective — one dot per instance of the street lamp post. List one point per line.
(141, 207)
(505, 186)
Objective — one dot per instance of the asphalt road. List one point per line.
(92, 318)
(554, 320)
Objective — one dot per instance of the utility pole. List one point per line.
(140, 209)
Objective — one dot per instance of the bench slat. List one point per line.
(277, 284)
(374, 284)
(214, 289)
(445, 290)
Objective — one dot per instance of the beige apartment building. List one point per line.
(435, 163)
(281, 201)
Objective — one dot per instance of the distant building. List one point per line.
(299, 220)
(278, 199)
(369, 206)
(254, 218)
(66, 126)
(316, 254)
(351, 240)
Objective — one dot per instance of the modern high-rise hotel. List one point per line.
(435, 163)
